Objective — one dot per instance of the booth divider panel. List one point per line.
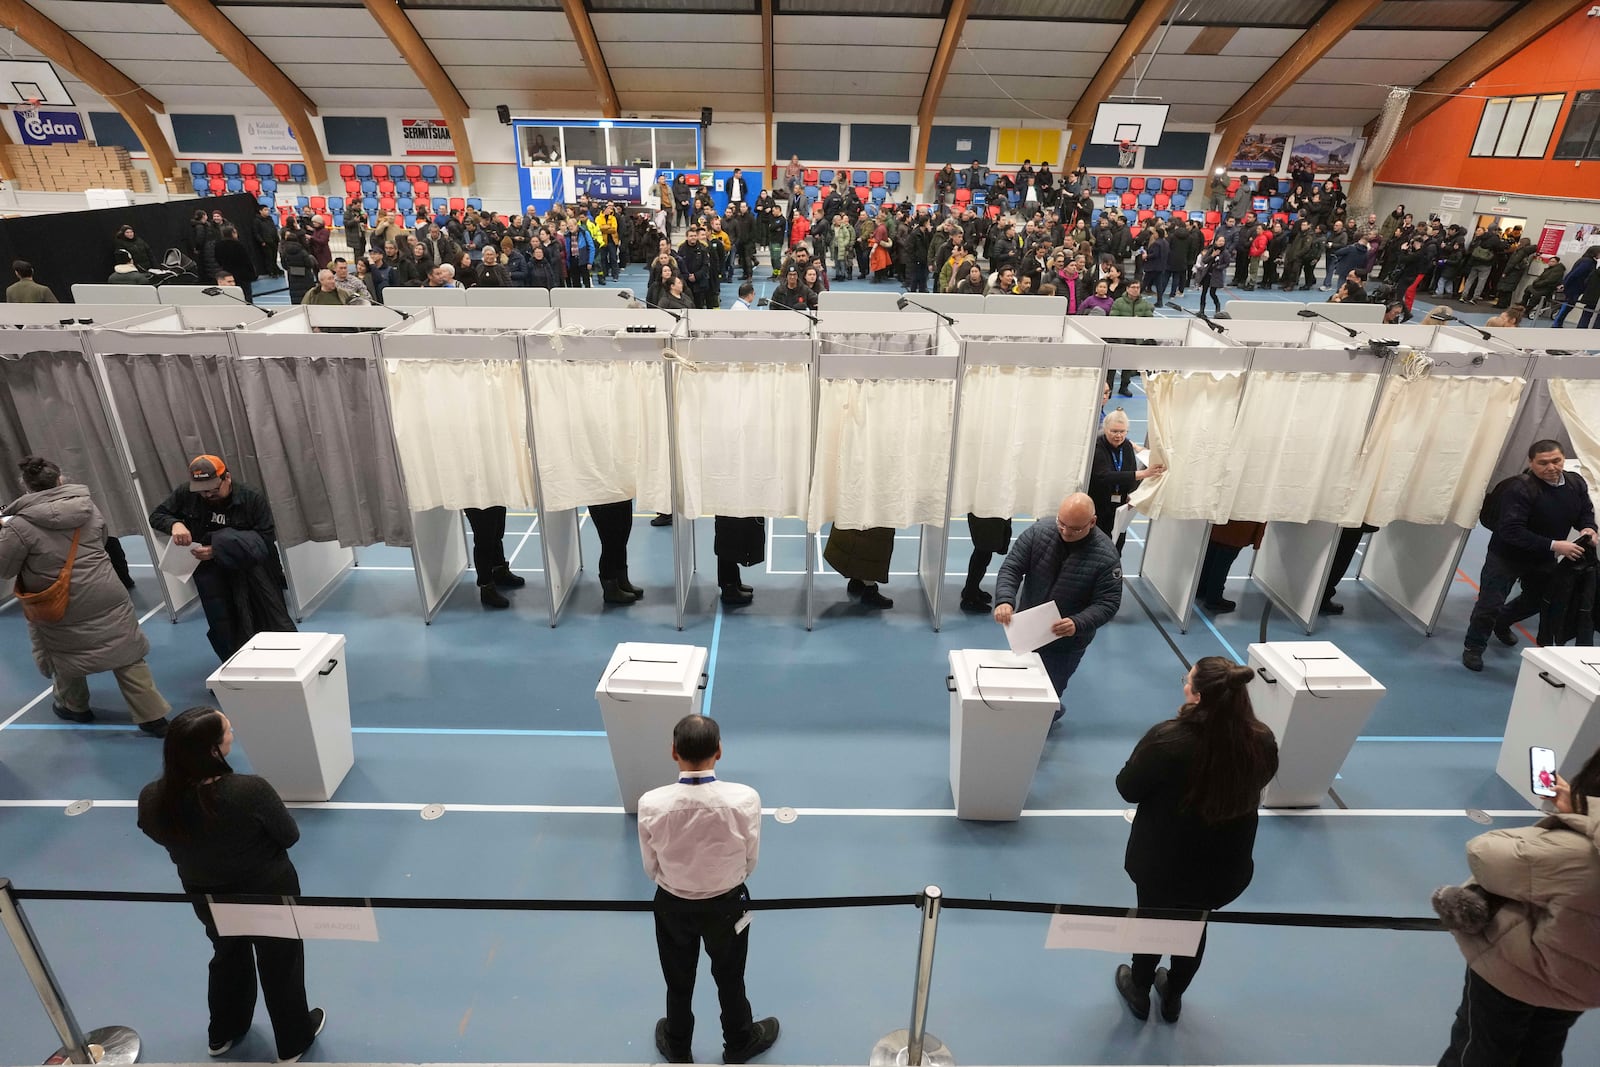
(1292, 566)
(1173, 550)
(439, 553)
(1411, 568)
(563, 555)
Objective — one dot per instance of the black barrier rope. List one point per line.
(1241, 918)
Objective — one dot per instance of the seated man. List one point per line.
(229, 528)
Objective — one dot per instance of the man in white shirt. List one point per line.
(699, 839)
(746, 291)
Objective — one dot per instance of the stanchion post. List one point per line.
(111, 1044)
(915, 1047)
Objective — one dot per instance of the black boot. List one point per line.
(1138, 999)
(662, 518)
(613, 593)
(490, 597)
(503, 578)
(871, 598)
(628, 587)
(735, 596)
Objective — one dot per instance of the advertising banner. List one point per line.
(1325, 154)
(50, 127)
(1567, 239)
(426, 137)
(1260, 153)
(607, 183)
(266, 136)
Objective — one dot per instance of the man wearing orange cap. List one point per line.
(228, 527)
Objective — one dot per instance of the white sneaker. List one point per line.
(319, 1019)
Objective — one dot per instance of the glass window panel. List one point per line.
(1583, 124)
(541, 145)
(586, 145)
(1516, 124)
(1541, 126)
(631, 145)
(676, 149)
(1494, 113)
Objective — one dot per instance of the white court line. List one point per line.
(858, 813)
(30, 705)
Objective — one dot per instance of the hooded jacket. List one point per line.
(1542, 944)
(99, 631)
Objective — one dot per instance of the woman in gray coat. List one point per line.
(99, 631)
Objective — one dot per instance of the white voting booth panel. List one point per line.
(410, 296)
(501, 297)
(1556, 706)
(1315, 699)
(588, 298)
(940, 362)
(1547, 339)
(1001, 705)
(195, 295)
(1289, 310)
(845, 300)
(288, 697)
(1012, 304)
(643, 692)
(103, 293)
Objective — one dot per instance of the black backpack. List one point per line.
(1489, 514)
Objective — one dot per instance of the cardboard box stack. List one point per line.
(72, 168)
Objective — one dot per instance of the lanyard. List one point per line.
(1116, 459)
(696, 779)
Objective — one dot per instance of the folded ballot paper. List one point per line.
(1030, 630)
(178, 561)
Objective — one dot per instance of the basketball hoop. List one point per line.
(1126, 153)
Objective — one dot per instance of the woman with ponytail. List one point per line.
(1197, 781)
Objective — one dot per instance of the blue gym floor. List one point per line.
(849, 724)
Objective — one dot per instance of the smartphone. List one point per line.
(1543, 764)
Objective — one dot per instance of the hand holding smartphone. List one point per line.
(1542, 762)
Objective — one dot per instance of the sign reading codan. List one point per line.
(50, 127)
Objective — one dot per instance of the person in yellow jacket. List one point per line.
(606, 242)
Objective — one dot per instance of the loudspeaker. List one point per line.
(705, 116)
(504, 113)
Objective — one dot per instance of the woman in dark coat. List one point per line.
(299, 268)
(229, 834)
(990, 537)
(317, 243)
(542, 273)
(137, 247)
(1197, 781)
(1115, 472)
(863, 557)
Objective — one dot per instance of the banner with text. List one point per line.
(269, 137)
(607, 183)
(50, 127)
(1567, 239)
(427, 137)
(1260, 153)
(1325, 154)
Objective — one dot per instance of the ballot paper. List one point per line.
(255, 920)
(1030, 630)
(1122, 520)
(179, 562)
(1124, 934)
(317, 923)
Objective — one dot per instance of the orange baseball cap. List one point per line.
(206, 472)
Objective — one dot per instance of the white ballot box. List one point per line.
(289, 701)
(1554, 707)
(1315, 699)
(643, 692)
(1001, 704)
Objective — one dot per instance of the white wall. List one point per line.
(1423, 202)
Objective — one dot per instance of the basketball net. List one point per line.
(25, 113)
(1126, 153)
(1394, 109)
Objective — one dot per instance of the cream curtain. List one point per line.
(744, 438)
(1296, 449)
(1578, 401)
(883, 453)
(1025, 436)
(462, 433)
(1432, 450)
(601, 431)
(1191, 433)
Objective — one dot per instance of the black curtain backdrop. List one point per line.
(75, 246)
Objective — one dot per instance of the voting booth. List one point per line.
(1556, 706)
(643, 692)
(1315, 699)
(1001, 706)
(288, 697)
(892, 467)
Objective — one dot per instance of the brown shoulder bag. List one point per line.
(50, 603)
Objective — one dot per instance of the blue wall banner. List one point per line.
(51, 127)
(607, 183)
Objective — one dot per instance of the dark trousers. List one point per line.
(919, 276)
(613, 523)
(119, 560)
(1214, 571)
(1155, 283)
(977, 567)
(1494, 1030)
(231, 986)
(1206, 289)
(681, 927)
(488, 540)
(727, 570)
(214, 586)
(747, 259)
(1127, 377)
(1183, 968)
(1494, 586)
(1344, 553)
(578, 276)
(1060, 666)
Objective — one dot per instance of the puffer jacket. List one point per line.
(1542, 944)
(1086, 584)
(99, 631)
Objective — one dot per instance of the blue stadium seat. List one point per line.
(872, 210)
(475, 203)
(1094, 216)
(1163, 215)
(297, 173)
(230, 170)
(202, 187)
(302, 202)
(235, 185)
(441, 204)
(825, 177)
(402, 188)
(430, 173)
(858, 177)
(1197, 216)
(263, 170)
(370, 206)
(1152, 185)
(369, 188)
(1179, 200)
(879, 194)
(396, 171)
(978, 197)
(1119, 184)
(1185, 185)
(961, 179)
(891, 178)
(1014, 197)
(198, 169)
(264, 201)
(363, 171)
(1146, 201)
(405, 205)
(1275, 203)
(269, 186)
(1114, 200)
(336, 204)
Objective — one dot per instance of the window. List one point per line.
(677, 148)
(631, 146)
(1517, 127)
(585, 145)
(1581, 138)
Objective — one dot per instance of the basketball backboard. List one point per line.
(1140, 124)
(22, 80)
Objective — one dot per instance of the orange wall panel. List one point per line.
(1436, 151)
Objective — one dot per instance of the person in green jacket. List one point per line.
(1132, 305)
(326, 291)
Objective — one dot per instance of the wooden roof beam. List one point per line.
(593, 58)
(955, 21)
(1135, 35)
(230, 42)
(82, 62)
(420, 58)
(1327, 31)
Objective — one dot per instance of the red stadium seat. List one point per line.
(319, 204)
(809, 176)
(386, 188)
(458, 204)
(1162, 201)
(1146, 215)
(993, 211)
(413, 172)
(447, 174)
(327, 219)
(214, 169)
(252, 186)
(1133, 232)
(352, 188)
(280, 171)
(1213, 218)
(1105, 183)
(875, 178)
(347, 171)
(1169, 185)
(863, 193)
(419, 192)
(386, 203)
(1233, 186)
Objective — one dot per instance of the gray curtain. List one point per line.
(1537, 420)
(899, 344)
(49, 405)
(176, 407)
(323, 443)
